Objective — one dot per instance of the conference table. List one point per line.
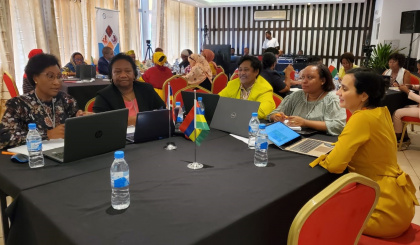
(395, 99)
(84, 91)
(230, 200)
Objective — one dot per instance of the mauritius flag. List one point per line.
(196, 129)
(333, 69)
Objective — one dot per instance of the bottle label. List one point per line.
(179, 119)
(264, 146)
(250, 129)
(34, 145)
(120, 179)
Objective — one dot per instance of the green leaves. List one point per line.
(380, 54)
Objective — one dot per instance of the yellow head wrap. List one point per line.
(159, 58)
(129, 52)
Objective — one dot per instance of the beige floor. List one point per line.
(409, 160)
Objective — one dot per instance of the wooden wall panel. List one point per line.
(325, 30)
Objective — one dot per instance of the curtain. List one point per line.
(129, 26)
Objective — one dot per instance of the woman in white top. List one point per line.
(399, 75)
(410, 111)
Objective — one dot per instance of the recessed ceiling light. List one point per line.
(309, 3)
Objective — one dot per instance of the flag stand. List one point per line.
(195, 164)
(170, 146)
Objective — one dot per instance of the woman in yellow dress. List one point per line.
(368, 146)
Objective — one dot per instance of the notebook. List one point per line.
(287, 139)
(210, 103)
(85, 72)
(91, 135)
(233, 115)
(151, 125)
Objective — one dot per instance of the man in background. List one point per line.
(246, 51)
(270, 42)
(103, 62)
(232, 52)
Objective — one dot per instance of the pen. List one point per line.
(8, 153)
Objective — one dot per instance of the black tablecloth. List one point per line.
(83, 92)
(395, 100)
(229, 201)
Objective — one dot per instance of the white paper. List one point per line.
(297, 128)
(245, 139)
(46, 145)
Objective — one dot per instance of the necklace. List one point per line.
(53, 109)
(134, 105)
(313, 107)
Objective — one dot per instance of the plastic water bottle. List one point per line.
(261, 148)
(34, 144)
(253, 130)
(296, 75)
(201, 104)
(182, 70)
(180, 115)
(120, 181)
(336, 82)
(175, 67)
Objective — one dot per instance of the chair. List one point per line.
(277, 99)
(411, 236)
(336, 215)
(348, 113)
(234, 76)
(414, 79)
(198, 89)
(177, 83)
(219, 83)
(219, 70)
(406, 121)
(10, 84)
(89, 105)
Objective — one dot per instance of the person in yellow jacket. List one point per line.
(368, 146)
(251, 86)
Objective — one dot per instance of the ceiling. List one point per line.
(233, 3)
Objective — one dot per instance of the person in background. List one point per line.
(46, 105)
(398, 74)
(232, 52)
(27, 86)
(200, 73)
(158, 74)
(418, 67)
(281, 53)
(347, 63)
(103, 62)
(274, 51)
(270, 42)
(316, 106)
(125, 92)
(246, 51)
(209, 56)
(300, 53)
(70, 68)
(367, 146)
(184, 56)
(158, 49)
(409, 111)
(251, 86)
(132, 54)
(269, 61)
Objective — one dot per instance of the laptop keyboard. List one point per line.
(306, 146)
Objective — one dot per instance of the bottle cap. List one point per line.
(119, 154)
(32, 126)
(200, 99)
(262, 126)
(177, 103)
(255, 114)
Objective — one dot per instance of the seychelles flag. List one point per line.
(196, 129)
(169, 102)
(333, 69)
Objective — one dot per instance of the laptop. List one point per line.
(91, 135)
(287, 139)
(85, 72)
(151, 125)
(233, 115)
(210, 103)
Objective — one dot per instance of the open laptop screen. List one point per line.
(280, 134)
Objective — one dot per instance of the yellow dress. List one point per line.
(368, 146)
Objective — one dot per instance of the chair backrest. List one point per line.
(10, 84)
(348, 113)
(219, 70)
(338, 214)
(277, 99)
(198, 89)
(234, 76)
(414, 79)
(219, 83)
(177, 83)
(89, 105)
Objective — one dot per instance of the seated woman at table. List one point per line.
(46, 105)
(124, 92)
(398, 74)
(409, 111)
(158, 74)
(70, 68)
(368, 147)
(200, 73)
(315, 106)
(209, 56)
(347, 63)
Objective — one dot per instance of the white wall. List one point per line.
(388, 13)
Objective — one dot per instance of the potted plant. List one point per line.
(380, 54)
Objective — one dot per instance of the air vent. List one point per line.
(270, 15)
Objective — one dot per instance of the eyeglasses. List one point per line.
(51, 76)
(78, 59)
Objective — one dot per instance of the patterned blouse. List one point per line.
(26, 109)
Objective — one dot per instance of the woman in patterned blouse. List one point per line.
(46, 106)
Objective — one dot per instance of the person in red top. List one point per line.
(158, 74)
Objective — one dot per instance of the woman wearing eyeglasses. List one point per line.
(46, 105)
(70, 68)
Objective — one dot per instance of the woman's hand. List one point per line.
(132, 120)
(295, 121)
(405, 88)
(278, 117)
(80, 113)
(56, 133)
(395, 84)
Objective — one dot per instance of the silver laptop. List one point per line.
(233, 115)
(91, 135)
(287, 139)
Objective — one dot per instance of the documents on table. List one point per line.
(46, 145)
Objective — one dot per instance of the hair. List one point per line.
(324, 73)
(106, 50)
(347, 56)
(233, 49)
(189, 51)
(122, 56)
(255, 63)
(368, 81)
(158, 50)
(272, 50)
(268, 60)
(268, 32)
(314, 59)
(37, 64)
(400, 58)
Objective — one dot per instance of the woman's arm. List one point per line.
(407, 77)
(13, 128)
